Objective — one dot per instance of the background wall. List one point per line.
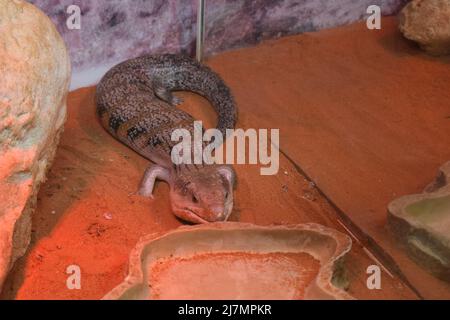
(113, 30)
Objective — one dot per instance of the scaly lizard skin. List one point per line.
(135, 104)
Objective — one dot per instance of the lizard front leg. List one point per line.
(152, 173)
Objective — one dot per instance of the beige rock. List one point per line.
(428, 23)
(35, 73)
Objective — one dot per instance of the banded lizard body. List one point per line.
(136, 105)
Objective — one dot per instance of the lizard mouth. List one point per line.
(191, 216)
(187, 214)
(194, 217)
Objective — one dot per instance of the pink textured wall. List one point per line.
(113, 30)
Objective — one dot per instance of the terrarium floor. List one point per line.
(362, 113)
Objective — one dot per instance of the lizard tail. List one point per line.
(184, 73)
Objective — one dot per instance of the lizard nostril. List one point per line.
(218, 212)
(194, 199)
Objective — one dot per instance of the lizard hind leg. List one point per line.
(166, 95)
(152, 173)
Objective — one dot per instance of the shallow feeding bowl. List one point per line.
(237, 261)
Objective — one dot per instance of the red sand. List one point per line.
(243, 276)
(295, 84)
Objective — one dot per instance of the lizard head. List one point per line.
(203, 194)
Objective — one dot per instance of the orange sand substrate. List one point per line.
(247, 276)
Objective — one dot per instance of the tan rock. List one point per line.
(427, 22)
(35, 73)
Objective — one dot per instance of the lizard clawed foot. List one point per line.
(145, 193)
(148, 180)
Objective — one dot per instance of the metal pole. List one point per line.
(200, 30)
